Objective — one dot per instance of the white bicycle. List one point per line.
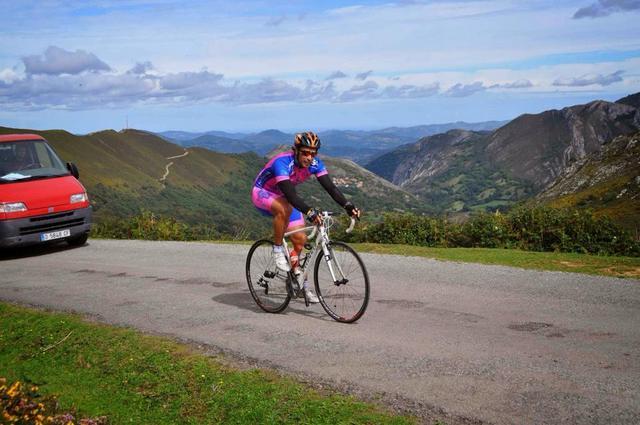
(340, 277)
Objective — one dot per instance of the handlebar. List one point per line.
(350, 228)
(327, 214)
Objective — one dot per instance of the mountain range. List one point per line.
(357, 145)
(463, 171)
(580, 156)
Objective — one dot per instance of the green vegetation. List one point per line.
(608, 183)
(461, 178)
(97, 371)
(532, 229)
(624, 267)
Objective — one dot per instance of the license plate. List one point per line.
(55, 235)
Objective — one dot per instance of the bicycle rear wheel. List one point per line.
(345, 299)
(267, 284)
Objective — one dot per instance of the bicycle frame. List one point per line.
(321, 234)
(342, 287)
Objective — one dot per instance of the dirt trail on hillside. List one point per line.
(166, 168)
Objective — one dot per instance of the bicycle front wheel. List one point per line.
(342, 283)
(267, 284)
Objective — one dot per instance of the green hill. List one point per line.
(451, 173)
(123, 173)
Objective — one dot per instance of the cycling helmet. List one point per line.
(307, 139)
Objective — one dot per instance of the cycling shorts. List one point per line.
(263, 198)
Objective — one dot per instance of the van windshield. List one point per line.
(29, 159)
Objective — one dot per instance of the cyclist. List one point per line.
(274, 194)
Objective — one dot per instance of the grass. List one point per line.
(100, 370)
(624, 267)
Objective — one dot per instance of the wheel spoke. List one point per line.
(267, 286)
(345, 302)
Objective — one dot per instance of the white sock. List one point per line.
(278, 248)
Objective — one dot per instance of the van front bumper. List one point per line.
(29, 230)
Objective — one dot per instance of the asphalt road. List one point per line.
(460, 342)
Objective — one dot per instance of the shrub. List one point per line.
(148, 225)
(536, 229)
(486, 230)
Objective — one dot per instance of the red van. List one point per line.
(41, 198)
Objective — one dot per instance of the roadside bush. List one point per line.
(151, 227)
(534, 229)
(407, 229)
(147, 225)
(570, 230)
(487, 231)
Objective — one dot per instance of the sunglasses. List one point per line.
(308, 153)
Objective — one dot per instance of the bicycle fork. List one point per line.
(328, 256)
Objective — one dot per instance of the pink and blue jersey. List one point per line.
(282, 167)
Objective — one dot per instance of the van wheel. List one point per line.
(78, 240)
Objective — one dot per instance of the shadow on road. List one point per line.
(35, 251)
(244, 301)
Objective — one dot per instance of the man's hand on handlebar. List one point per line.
(314, 216)
(352, 210)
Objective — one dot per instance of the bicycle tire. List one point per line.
(267, 285)
(347, 301)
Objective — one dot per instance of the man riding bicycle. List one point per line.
(274, 194)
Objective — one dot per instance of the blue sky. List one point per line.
(250, 65)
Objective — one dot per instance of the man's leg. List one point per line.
(298, 240)
(281, 210)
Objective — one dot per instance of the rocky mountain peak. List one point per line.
(538, 147)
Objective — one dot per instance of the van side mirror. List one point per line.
(73, 170)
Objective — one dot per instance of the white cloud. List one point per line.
(367, 90)
(141, 68)
(138, 85)
(409, 91)
(464, 90)
(57, 61)
(336, 75)
(185, 81)
(603, 8)
(8, 76)
(519, 84)
(363, 75)
(590, 79)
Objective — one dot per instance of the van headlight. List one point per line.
(78, 197)
(11, 207)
